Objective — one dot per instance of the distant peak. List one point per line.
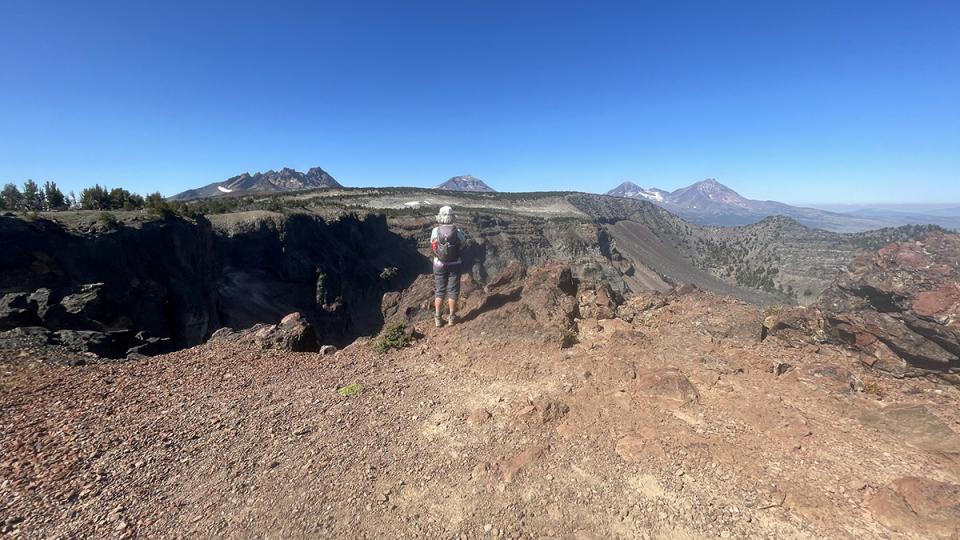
(633, 191)
(286, 179)
(465, 182)
(711, 183)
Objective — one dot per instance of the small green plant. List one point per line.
(393, 337)
(350, 389)
(107, 219)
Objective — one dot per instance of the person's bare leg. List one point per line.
(437, 306)
(452, 306)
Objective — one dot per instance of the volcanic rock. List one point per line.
(920, 506)
(294, 333)
(901, 307)
(16, 309)
(103, 344)
(84, 309)
(668, 385)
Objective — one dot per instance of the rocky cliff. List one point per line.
(181, 279)
(137, 284)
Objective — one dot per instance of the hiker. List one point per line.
(446, 241)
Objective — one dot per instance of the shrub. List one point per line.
(394, 337)
(350, 389)
(107, 219)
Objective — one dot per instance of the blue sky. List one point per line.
(831, 102)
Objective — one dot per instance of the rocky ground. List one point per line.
(665, 417)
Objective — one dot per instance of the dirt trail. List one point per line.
(674, 425)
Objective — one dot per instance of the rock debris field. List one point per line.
(667, 419)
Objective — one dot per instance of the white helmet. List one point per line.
(445, 216)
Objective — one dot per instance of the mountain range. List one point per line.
(466, 183)
(709, 202)
(285, 179)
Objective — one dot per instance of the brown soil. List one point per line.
(679, 424)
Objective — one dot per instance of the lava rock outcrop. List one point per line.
(293, 333)
(161, 284)
(898, 307)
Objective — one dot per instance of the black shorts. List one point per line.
(446, 281)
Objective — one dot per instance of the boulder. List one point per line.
(84, 309)
(599, 303)
(27, 336)
(102, 344)
(793, 327)
(668, 385)
(513, 272)
(16, 310)
(42, 299)
(293, 333)
(899, 307)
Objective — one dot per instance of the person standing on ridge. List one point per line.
(446, 241)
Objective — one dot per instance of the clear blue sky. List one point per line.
(801, 101)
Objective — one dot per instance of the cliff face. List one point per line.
(183, 280)
(494, 241)
(180, 280)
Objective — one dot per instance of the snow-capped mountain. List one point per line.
(465, 183)
(285, 179)
(708, 194)
(633, 191)
(709, 202)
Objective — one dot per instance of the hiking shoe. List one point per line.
(451, 319)
(437, 320)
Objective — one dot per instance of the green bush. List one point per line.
(393, 337)
(107, 219)
(350, 389)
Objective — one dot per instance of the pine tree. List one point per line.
(95, 198)
(11, 198)
(55, 198)
(32, 196)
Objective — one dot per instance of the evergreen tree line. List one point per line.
(49, 198)
(34, 198)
